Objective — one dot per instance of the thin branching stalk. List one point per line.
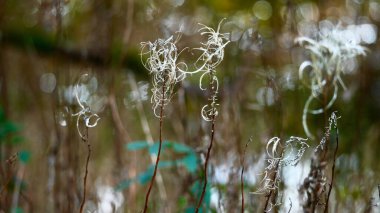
(242, 175)
(206, 164)
(274, 181)
(8, 177)
(278, 157)
(291, 205)
(17, 188)
(314, 186)
(212, 113)
(159, 149)
(85, 140)
(90, 119)
(332, 173)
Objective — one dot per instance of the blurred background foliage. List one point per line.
(46, 45)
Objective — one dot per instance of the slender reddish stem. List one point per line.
(242, 177)
(333, 173)
(86, 173)
(213, 115)
(206, 163)
(274, 181)
(159, 151)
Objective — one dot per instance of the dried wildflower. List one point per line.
(314, 185)
(85, 113)
(279, 155)
(212, 54)
(162, 64)
(295, 143)
(328, 54)
(333, 124)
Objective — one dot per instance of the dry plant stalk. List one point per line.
(8, 176)
(85, 140)
(279, 155)
(324, 71)
(162, 64)
(212, 54)
(333, 167)
(314, 185)
(84, 115)
(158, 156)
(242, 175)
(148, 134)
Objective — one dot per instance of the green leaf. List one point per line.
(17, 140)
(190, 161)
(2, 115)
(165, 164)
(145, 177)
(10, 127)
(137, 145)
(124, 184)
(196, 190)
(7, 128)
(182, 148)
(24, 157)
(17, 210)
(182, 202)
(191, 209)
(154, 148)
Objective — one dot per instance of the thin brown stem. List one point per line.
(213, 116)
(148, 135)
(206, 163)
(291, 205)
(159, 149)
(242, 176)
(10, 162)
(332, 175)
(274, 182)
(85, 139)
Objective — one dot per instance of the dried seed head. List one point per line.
(280, 155)
(162, 63)
(326, 65)
(85, 113)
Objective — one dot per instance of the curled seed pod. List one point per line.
(85, 113)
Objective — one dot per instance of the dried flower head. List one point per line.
(211, 55)
(85, 113)
(333, 124)
(279, 155)
(162, 64)
(325, 68)
(211, 52)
